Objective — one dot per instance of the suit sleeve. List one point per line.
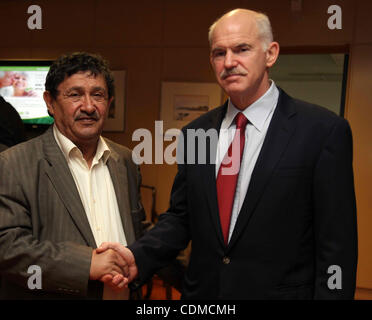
(65, 266)
(335, 224)
(160, 246)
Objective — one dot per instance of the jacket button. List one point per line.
(226, 260)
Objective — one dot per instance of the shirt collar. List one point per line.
(258, 111)
(69, 149)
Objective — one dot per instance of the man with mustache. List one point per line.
(67, 191)
(284, 226)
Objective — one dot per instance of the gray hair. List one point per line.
(265, 32)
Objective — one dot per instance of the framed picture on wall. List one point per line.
(182, 102)
(115, 118)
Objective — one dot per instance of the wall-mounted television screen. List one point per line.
(22, 85)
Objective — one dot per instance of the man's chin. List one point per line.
(234, 91)
(88, 132)
(87, 126)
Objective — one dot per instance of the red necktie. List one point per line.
(228, 175)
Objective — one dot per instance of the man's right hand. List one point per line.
(125, 254)
(107, 262)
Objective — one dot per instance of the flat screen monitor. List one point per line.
(22, 85)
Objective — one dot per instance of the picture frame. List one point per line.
(115, 118)
(183, 102)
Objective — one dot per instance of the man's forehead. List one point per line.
(234, 31)
(84, 78)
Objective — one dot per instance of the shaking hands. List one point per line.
(113, 264)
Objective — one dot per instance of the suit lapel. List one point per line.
(120, 182)
(208, 172)
(281, 129)
(63, 182)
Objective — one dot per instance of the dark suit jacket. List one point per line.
(297, 220)
(43, 222)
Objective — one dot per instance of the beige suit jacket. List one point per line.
(43, 222)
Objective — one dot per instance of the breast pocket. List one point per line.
(292, 185)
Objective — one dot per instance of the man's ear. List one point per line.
(272, 54)
(110, 101)
(49, 102)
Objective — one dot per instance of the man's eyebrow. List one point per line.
(237, 46)
(241, 45)
(78, 88)
(218, 49)
(98, 88)
(74, 88)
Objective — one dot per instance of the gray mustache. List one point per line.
(93, 116)
(235, 71)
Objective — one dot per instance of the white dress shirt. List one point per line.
(259, 115)
(97, 195)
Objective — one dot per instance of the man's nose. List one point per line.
(88, 104)
(230, 60)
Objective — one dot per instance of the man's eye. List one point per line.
(243, 49)
(219, 54)
(74, 96)
(98, 96)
